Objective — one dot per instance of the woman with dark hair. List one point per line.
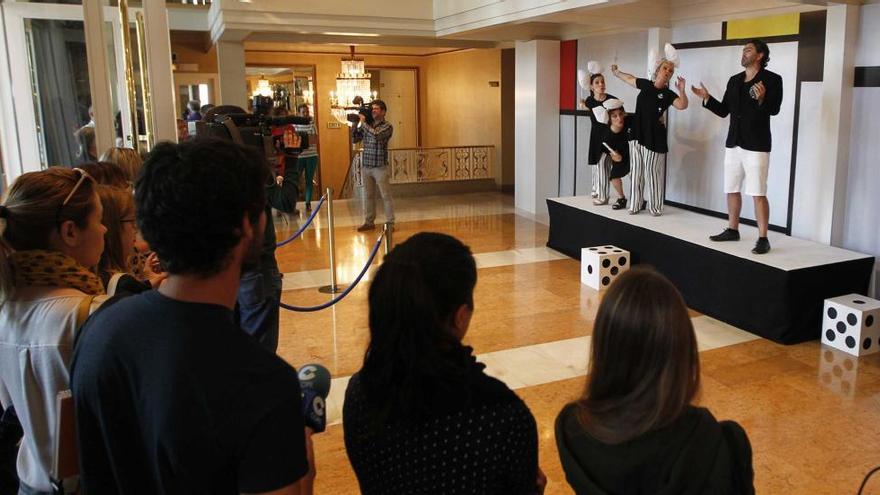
(635, 431)
(422, 416)
(51, 236)
(597, 128)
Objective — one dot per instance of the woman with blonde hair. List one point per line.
(128, 159)
(635, 430)
(115, 267)
(50, 236)
(648, 148)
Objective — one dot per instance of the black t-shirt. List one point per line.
(649, 129)
(172, 397)
(479, 438)
(597, 129)
(619, 142)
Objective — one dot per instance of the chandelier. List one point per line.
(263, 88)
(353, 81)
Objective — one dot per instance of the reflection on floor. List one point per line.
(812, 414)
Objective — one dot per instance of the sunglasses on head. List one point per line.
(83, 175)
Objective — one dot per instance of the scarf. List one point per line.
(53, 269)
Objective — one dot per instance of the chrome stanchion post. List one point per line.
(387, 228)
(333, 288)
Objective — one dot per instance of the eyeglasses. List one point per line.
(83, 175)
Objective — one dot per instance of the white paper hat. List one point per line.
(671, 54)
(594, 67)
(583, 79)
(602, 112)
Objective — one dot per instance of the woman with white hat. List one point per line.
(648, 148)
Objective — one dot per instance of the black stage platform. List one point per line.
(777, 295)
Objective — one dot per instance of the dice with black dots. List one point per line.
(851, 323)
(600, 265)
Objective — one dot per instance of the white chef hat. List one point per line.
(654, 60)
(602, 112)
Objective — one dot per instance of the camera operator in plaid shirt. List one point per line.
(375, 139)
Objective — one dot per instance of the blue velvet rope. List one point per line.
(304, 226)
(347, 290)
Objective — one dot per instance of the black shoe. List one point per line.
(762, 246)
(728, 235)
(619, 205)
(644, 205)
(367, 227)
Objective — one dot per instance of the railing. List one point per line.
(410, 165)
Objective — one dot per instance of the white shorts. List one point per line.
(746, 167)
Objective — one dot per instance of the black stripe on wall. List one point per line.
(739, 42)
(867, 77)
(724, 30)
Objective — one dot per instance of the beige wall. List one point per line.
(461, 109)
(456, 105)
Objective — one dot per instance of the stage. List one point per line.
(777, 295)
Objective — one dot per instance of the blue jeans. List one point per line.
(257, 307)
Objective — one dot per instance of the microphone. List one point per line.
(314, 383)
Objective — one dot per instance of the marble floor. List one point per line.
(812, 414)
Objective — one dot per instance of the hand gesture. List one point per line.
(362, 117)
(701, 92)
(614, 69)
(759, 91)
(680, 84)
(616, 157)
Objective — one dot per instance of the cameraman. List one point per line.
(259, 295)
(375, 139)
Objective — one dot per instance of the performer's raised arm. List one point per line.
(623, 76)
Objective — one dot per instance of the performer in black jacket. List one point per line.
(752, 96)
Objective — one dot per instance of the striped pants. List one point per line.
(648, 178)
(603, 177)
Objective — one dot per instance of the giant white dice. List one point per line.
(851, 323)
(600, 265)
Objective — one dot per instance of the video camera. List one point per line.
(362, 109)
(234, 124)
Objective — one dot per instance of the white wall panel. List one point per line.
(811, 215)
(567, 138)
(582, 172)
(628, 50)
(696, 32)
(868, 44)
(860, 229)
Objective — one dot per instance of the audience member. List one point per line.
(115, 268)
(308, 158)
(52, 234)
(421, 416)
(259, 295)
(193, 113)
(108, 174)
(128, 159)
(171, 396)
(636, 430)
